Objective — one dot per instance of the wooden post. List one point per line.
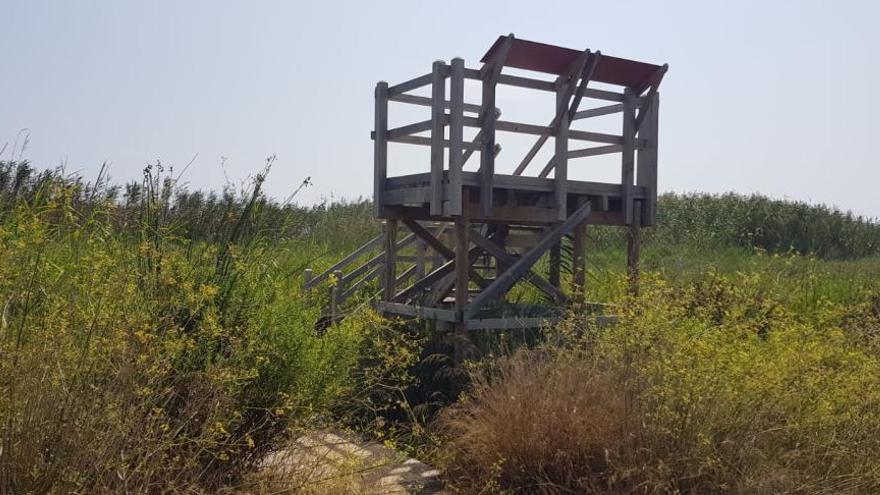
(628, 155)
(380, 147)
(462, 279)
(438, 128)
(487, 147)
(579, 263)
(647, 159)
(560, 159)
(501, 239)
(389, 279)
(555, 265)
(633, 251)
(421, 251)
(456, 135)
(336, 295)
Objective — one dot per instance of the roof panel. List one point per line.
(551, 59)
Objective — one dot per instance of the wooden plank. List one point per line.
(554, 270)
(390, 276)
(360, 283)
(487, 122)
(549, 86)
(560, 157)
(586, 76)
(406, 130)
(429, 239)
(512, 323)
(410, 85)
(633, 252)
(487, 150)
(596, 151)
(378, 259)
(506, 259)
(438, 129)
(646, 175)
(501, 284)
(380, 146)
(462, 263)
(339, 265)
(579, 263)
(598, 112)
(408, 195)
(425, 101)
(456, 135)
(426, 141)
(537, 130)
(418, 311)
(627, 162)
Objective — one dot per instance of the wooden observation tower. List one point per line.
(460, 235)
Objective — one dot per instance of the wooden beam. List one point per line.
(561, 106)
(390, 276)
(501, 284)
(586, 75)
(579, 263)
(426, 141)
(380, 147)
(417, 311)
(596, 151)
(339, 265)
(425, 101)
(506, 259)
(410, 129)
(649, 98)
(633, 252)
(429, 239)
(560, 155)
(537, 130)
(627, 167)
(438, 129)
(462, 279)
(646, 175)
(487, 121)
(598, 112)
(456, 135)
(410, 85)
(512, 323)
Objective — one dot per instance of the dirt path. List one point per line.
(334, 463)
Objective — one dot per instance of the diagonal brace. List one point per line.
(502, 284)
(508, 259)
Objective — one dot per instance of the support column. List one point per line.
(462, 279)
(380, 147)
(389, 278)
(579, 264)
(628, 160)
(555, 265)
(633, 251)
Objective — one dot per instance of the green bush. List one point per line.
(715, 387)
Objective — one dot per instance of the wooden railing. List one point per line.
(638, 133)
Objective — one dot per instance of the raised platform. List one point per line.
(517, 199)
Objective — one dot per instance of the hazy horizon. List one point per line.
(771, 98)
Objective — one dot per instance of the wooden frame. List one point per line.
(506, 221)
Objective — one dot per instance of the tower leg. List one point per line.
(555, 265)
(389, 277)
(579, 265)
(462, 279)
(633, 251)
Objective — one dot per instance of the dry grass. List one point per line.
(688, 394)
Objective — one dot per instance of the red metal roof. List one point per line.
(541, 57)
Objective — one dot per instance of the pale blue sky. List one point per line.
(772, 97)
